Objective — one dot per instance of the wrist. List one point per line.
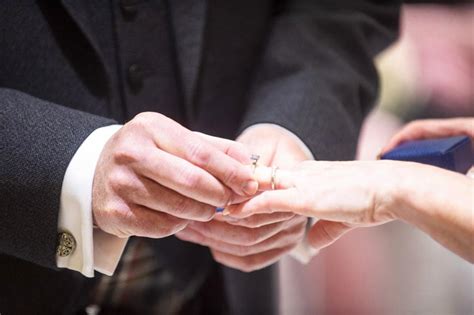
(387, 191)
(402, 191)
(401, 196)
(415, 196)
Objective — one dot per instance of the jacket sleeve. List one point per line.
(37, 141)
(316, 77)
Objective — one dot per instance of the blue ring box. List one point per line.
(453, 153)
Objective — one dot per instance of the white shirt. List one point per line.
(95, 249)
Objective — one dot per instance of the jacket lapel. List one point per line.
(79, 13)
(188, 21)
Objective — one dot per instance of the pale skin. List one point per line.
(347, 195)
(155, 178)
(260, 240)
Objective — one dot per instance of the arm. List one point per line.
(95, 249)
(146, 183)
(316, 80)
(38, 139)
(441, 204)
(316, 77)
(346, 195)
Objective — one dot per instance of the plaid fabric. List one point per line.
(141, 286)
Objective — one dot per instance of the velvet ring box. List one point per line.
(453, 153)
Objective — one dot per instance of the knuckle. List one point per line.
(250, 238)
(217, 257)
(207, 214)
(140, 121)
(180, 225)
(190, 179)
(127, 155)
(180, 206)
(144, 122)
(253, 222)
(199, 154)
(146, 117)
(119, 181)
(251, 269)
(264, 203)
(165, 230)
(109, 218)
(168, 230)
(231, 175)
(248, 265)
(224, 198)
(414, 125)
(123, 220)
(243, 250)
(286, 216)
(237, 149)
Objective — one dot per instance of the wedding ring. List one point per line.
(273, 180)
(254, 158)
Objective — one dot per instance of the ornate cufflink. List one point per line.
(66, 244)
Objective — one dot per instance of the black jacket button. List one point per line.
(135, 76)
(130, 7)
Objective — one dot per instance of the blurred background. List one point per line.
(395, 269)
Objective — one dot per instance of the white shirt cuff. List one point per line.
(75, 212)
(303, 252)
(108, 249)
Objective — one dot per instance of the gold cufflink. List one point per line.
(66, 244)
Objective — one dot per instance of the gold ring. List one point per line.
(254, 158)
(273, 180)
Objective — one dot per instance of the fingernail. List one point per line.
(226, 212)
(250, 187)
(219, 209)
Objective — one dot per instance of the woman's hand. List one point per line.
(343, 195)
(432, 128)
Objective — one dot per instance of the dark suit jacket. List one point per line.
(68, 67)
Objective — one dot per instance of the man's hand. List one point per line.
(258, 241)
(154, 175)
(247, 248)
